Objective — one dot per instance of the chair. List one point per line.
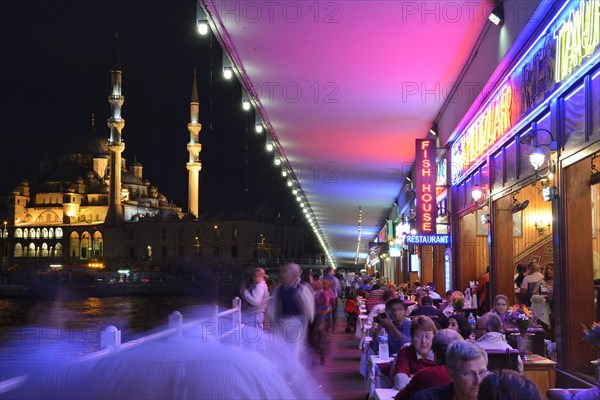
(562, 394)
(503, 359)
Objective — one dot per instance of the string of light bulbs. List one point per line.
(359, 234)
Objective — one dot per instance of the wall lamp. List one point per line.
(537, 157)
(477, 195)
(201, 21)
(202, 25)
(258, 124)
(497, 14)
(434, 129)
(541, 227)
(227, 67)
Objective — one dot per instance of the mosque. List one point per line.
(91, 209)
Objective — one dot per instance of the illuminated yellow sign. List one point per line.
(485, 130)
(576, 38)
(96, 265)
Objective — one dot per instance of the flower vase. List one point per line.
(597, 369)
(522, 345)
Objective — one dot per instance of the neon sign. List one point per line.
(576, 38)
(428, 239)
(484, 131)
(426, 184)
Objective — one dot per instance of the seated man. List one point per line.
(396, 324)
(467, 366)
(433, 376)
(418, 355)
(490, 334)
(429, 310)
(432, 293)
(420, 294)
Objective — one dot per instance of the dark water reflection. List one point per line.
(88, 316)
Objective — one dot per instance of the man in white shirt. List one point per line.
(256, 297)
(490, 336)
(534, 276)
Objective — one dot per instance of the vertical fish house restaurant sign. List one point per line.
(567, 42)
(426, 184)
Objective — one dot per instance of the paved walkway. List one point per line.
(339, 376)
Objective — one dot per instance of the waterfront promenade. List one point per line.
(339, 377)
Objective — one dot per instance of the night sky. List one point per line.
(56, 59)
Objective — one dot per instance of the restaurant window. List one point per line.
(511, 163)
(574, 128)
(595, 107)
(497, 180)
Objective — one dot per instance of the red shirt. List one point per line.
(424, 379)
(408, 363)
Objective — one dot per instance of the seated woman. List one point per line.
(418, 355)
(501, 307)
(459, 323)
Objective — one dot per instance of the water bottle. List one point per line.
(473, 323)
(384, 349)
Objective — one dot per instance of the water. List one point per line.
(34, 329)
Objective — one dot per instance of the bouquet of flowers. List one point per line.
(404, 287)
(520, 316)
(592, 335)
(457, 301)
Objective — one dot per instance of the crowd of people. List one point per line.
(420, 330)
(439, 353)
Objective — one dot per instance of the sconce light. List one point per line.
(246, 106)
(277, 161)
(497, 14)
(541, 227)
(202, 25)
(477, 195)
(538, 155)
(201, 21)
(227, 67)
(258, 124)
(434, 129)
(269, 145)
(227, 72)
(537, 158)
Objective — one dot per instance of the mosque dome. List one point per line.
(91, 143)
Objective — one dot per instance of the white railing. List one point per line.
(110, 338)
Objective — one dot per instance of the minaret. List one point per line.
(194, 147)
(115, 144)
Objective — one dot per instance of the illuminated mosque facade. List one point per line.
(91, 208)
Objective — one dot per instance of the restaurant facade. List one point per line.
(523, 171)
